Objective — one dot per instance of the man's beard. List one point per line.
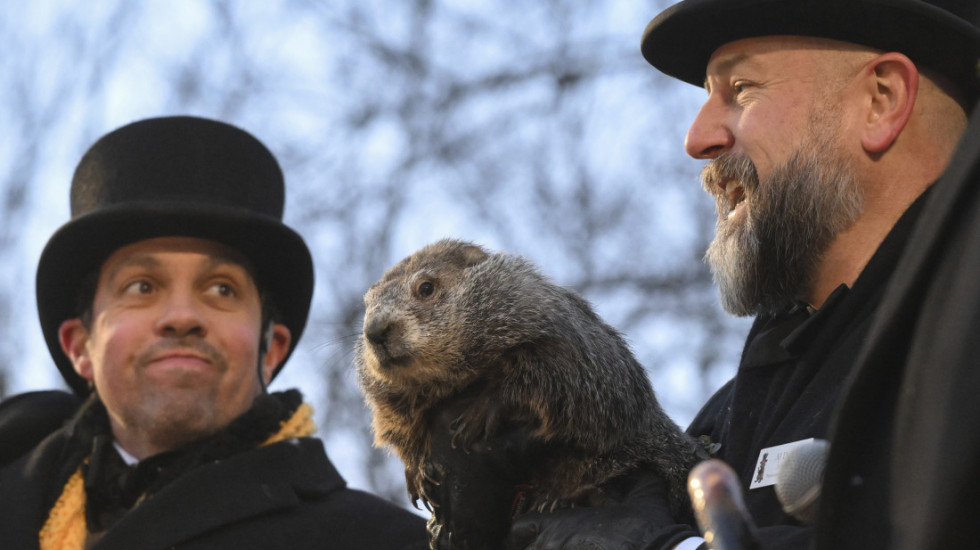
(769, 257)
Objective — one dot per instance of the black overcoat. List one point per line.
(27, 418)
(904, 462)
(791, 374)
(284, 495)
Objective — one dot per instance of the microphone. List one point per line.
(716, 497)
(800, 478)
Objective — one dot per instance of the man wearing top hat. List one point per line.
(825, 125)
(170, 300)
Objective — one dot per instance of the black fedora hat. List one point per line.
(938, 34)
(174, 176)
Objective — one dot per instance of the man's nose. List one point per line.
(708, 135)
(181, 316)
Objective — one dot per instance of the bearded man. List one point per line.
(825, 125)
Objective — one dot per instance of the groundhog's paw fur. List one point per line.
(477, 423)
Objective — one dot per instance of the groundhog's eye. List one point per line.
(426, 289)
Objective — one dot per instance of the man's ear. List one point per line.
(277, 345)
(892, 86)
(73, 337)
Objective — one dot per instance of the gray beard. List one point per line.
(769, 258)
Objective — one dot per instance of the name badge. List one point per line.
(770, 459)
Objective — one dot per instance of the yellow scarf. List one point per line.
(65, 528)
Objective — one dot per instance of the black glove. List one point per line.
(638, 519)
(473, 488)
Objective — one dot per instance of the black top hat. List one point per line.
(939, 34)
(174, 176)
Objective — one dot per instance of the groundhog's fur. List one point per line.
(453, 319)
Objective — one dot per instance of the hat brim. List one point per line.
(681, 39)
(280, 257)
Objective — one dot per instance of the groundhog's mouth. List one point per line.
(386, 359)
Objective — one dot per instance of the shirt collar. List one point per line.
(129, 459)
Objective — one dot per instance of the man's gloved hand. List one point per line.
(472, 487)
(637, 519)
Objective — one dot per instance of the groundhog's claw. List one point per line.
(456, 428)
(431, 474)
(476, 425)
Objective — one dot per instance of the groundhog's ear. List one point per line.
(473, 255)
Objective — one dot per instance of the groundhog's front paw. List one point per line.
(475, 425)
(479, 428)
(466, 431)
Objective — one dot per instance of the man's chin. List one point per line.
(735, 306)
(178, 418)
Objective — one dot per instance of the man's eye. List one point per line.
(223, 289)
(138, 287)
(739, 87)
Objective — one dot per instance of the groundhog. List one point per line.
(528, 375)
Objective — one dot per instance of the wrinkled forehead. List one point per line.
(786, 56)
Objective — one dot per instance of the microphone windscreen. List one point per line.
(800, 478)
(716, 497)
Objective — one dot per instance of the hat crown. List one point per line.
(168, 177)
(194, 162)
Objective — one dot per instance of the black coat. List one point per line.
(791, 374)
(904, 462)
(26, 419)
(285, 495)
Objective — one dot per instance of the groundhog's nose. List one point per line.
(376, 329)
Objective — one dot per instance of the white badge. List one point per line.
(770, 459)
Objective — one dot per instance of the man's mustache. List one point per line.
(730, 166)
(192, 344)
(721, 175)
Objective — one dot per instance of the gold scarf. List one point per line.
(65, 528)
